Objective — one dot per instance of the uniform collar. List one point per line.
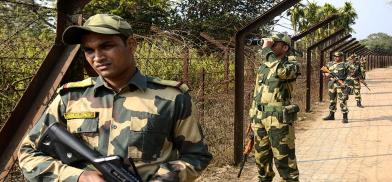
(138, 80)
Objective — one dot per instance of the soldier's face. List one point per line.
(338, 58)
(109, 55)
(280, 48)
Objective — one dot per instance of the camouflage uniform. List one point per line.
(274, 139)
(357, 74)
(152, 121)
(334, 88)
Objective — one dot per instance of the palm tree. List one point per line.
(296, 15)
(349, 15)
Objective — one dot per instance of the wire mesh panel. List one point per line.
(26, 35)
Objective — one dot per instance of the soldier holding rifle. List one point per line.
(338, 88)
(121, 112)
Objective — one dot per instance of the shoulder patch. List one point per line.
(79, 84)
(180, 85)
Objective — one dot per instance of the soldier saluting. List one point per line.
(121, 112)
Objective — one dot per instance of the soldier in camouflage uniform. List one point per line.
(335, 89)
(121, 112)
(357, 74)
(272, 125)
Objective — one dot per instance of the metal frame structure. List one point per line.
(340, 47)
(41, 88)
(309, 64)
(314, 27)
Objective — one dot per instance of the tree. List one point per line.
(220, 20)
(379, 42)
(302, 17)
(142, 14)
(296, 14)
(348, 15)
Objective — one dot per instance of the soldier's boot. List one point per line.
(345, 119)
(331, 116)
(359, 104)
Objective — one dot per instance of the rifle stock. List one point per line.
(58, 143)
(247, 150)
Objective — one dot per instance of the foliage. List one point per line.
(220, 20)
(302, 17)
(142, 14)
(379, 43)
(25, 37)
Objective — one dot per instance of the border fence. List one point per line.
(207, 66)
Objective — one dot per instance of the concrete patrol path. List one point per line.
(329, 151)
(360, 150)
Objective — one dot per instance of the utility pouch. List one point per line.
(290, 113)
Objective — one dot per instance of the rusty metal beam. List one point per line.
(239, 71)
(339, 47)
(350, 49)
(347, 51)
(367, 52)
(363, 51)
(309, 65)
(321, 81)
(355, 50)
(315, 27)
(348, 46)
(213, 41)
(41, 89)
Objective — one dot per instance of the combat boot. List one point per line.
(359, 104)
(345, 119)
(331, 116)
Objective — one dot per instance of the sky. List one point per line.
(374, 16)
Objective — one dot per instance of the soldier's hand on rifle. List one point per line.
(326, 74)
(91, 176)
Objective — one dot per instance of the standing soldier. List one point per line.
(363, 62)
(335, 88)
(272, 113)
(357, 74)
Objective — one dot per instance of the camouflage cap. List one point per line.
(99, 23)
(338, 54)
(282, 37)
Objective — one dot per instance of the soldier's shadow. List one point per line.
(380, 118)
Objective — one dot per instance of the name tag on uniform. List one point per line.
(80, 115)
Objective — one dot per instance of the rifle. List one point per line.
(347, 89)
(364, 83)
(247, 150)
(58, 143)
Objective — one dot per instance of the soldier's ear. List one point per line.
(286, 48)
(132, 44)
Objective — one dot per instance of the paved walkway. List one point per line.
(330, 151)
(358, 151)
